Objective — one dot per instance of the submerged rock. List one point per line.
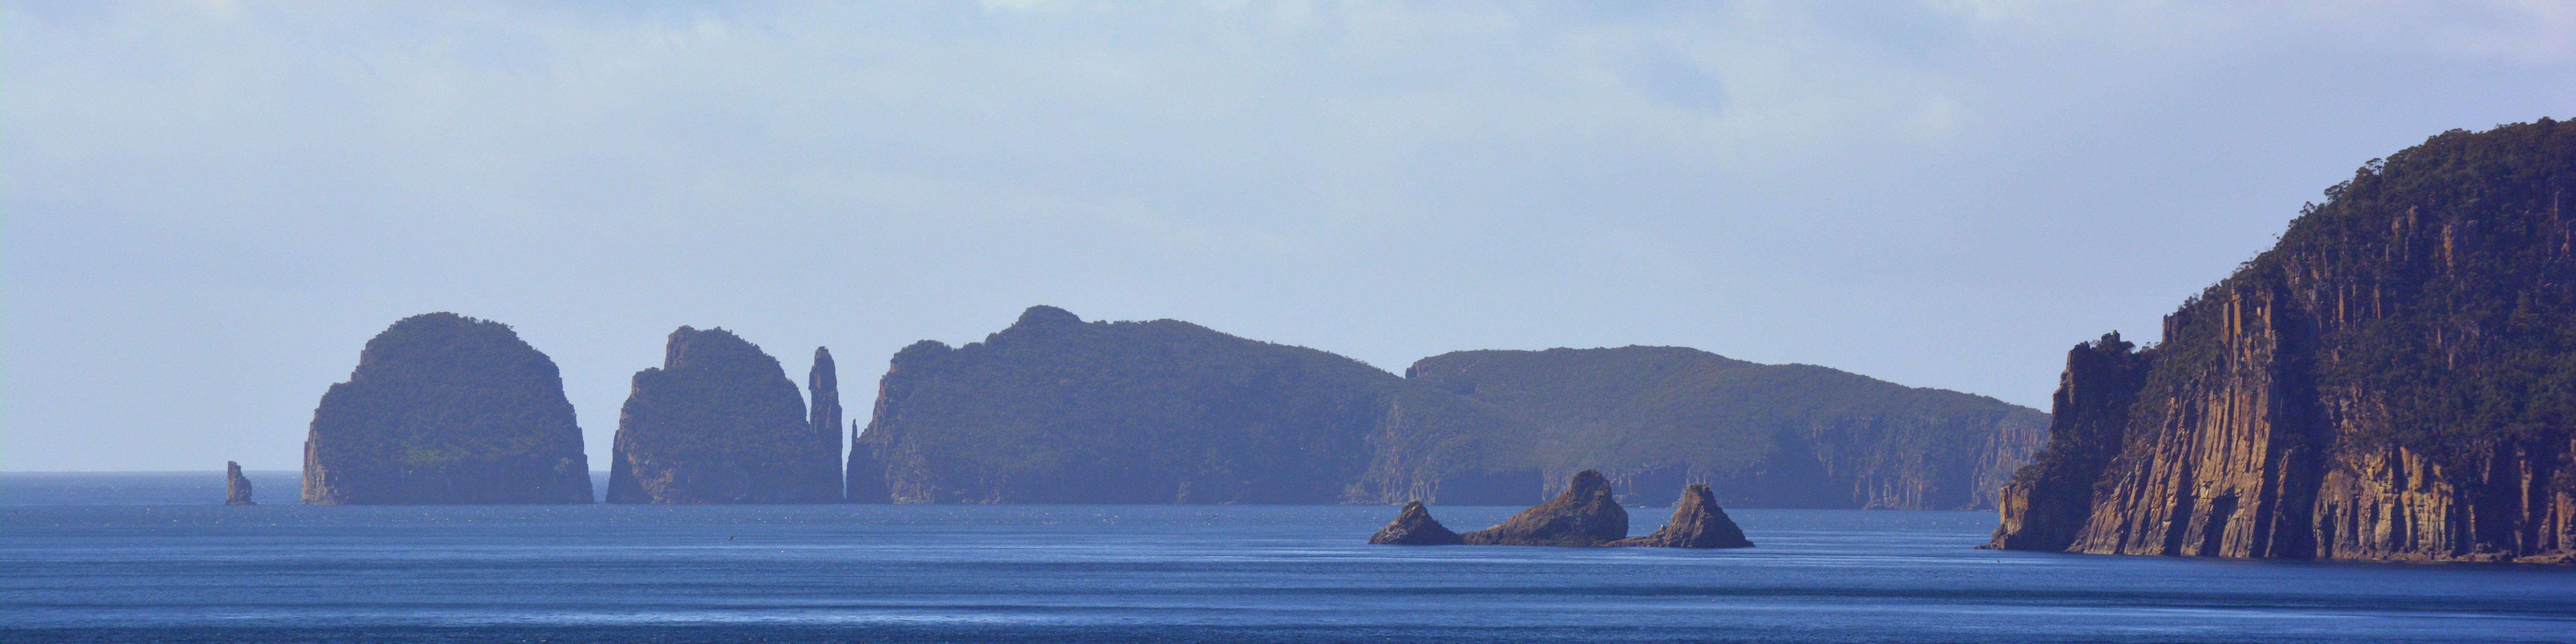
(446, 409)
(236, 486)
(1697, 523)
(1586, 514)
(1415, 527)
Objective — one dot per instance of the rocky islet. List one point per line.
(719, 422)
(236, 486)
(446, 409)
(1586, 514)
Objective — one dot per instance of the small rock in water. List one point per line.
(1415, 527)
(1697, 523)
(236, 486)
(1587, 514)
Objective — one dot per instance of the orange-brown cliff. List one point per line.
(2395, 380)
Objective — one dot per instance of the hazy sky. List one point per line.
(210, 206)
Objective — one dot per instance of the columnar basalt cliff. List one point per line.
(1697, 522)
(1655, 419)
(823, 408)
(236, 486)
(2392, 381)
(719, 422)
(444, 408)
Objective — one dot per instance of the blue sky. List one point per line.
(207, 207)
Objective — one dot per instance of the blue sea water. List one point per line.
(150, 558)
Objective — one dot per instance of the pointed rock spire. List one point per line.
(823, 403)
(1697, 523)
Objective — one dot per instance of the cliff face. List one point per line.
(1058, 410)
(2392, 381)
(444, 408)
(1655, 419)
(236, 486)
(719, 422)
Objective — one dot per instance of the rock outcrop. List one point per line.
(719, 422)
(1414, 527)
(2391, 381)
(236, 486)
(1697, 522)
(1586, 514)
(1654, 419)
(823, 407)
(444, 408)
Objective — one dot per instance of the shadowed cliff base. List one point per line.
(2392, 381)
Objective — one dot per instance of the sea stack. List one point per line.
(236, 486)
(2389, 382)
(1414, 527)
(719, 422)
(1697, 523)
(446, 409)
(1586, 514)
(823, 408)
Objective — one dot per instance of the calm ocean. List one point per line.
(148, 557)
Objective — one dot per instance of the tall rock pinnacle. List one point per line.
(823, 406)
(236, 486)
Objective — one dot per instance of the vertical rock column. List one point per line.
(2047, 504)
(236, 486)
(823, 411)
